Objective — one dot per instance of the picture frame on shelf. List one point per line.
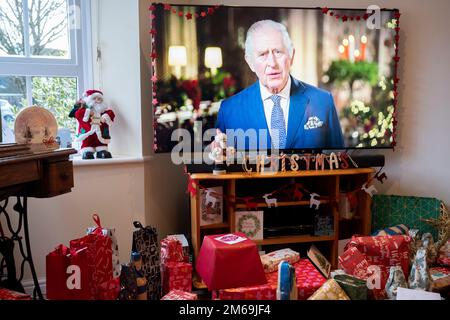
(319, 261)
(211, 206)
(251, 223)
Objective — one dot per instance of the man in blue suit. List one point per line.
(278, 111)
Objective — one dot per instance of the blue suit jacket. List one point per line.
(245, 111)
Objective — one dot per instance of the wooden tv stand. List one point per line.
(327, 183)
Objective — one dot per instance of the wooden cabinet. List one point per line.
(328, 184)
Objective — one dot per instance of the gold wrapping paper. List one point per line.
(330, 291)
(270, 261)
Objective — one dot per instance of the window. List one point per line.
(44, 49)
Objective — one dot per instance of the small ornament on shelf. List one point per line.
(219, 152)
(211, 208)
(370, 190)
(250, 204)
(94, 118)
(313, 201)
(381, 177)
(272, 202)
(297, 194)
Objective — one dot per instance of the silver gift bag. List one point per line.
(396, 280)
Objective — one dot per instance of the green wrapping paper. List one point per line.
(355, 288)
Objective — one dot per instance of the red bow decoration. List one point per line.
(48, 141)
(249, 204)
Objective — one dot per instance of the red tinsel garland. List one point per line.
(153, 56)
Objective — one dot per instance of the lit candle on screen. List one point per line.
(341, 52)
(345, 43)
(351, 47)
(357, 55)
(363, 48)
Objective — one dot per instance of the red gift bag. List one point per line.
(99, 254)
(68, 274)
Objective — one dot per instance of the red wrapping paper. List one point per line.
(99, 254)
(6, 294)
(380, 252)
(384, 251)
(109, 290)
(176, 276)
(230, 262)
(309, 279)
(172, 251)
(353, 262)
(57, 263)
(179, 295)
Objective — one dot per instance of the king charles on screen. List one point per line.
(285, 112)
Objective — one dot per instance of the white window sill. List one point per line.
(116, 159)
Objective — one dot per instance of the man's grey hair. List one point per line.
(266, 24)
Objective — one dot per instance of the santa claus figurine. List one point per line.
(94, 118)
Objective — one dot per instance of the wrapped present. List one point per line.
(229, 261)
(428, 244)
(184, 245)
(355, 288)
(384, 251)
(353, 262)
(68, 274)
(396, 280)
(109, 290)
(111, 233)
(99, 258)
(336, 272)
(391, 210)
(440, 279)
(128, 283)
(287, 283)
(444, 255)
(179, 295)
(419, 277)
(381, 253)
(330, 290)
(172, 251)
(309, 279)
(319, 261)
(270, 261)
(391, 231)
(145, 241)
(176, 276)
(6, 294)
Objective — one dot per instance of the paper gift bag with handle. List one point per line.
(111, 233)
(145, 241)
(99, 255)
(68, 274)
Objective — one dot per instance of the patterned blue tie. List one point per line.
(277, 124)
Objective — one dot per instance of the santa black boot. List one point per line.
(88, 155)
(104, 155)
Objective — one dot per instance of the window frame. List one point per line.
(78, 66)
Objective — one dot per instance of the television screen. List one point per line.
(284, 78)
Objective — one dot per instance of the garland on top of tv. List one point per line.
(293, 191)
(209, 11)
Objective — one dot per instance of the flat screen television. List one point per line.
(328, 81)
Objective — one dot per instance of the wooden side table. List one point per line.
(37, 174)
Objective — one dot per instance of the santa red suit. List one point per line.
(94, 119)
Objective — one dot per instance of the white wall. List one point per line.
(154, 190)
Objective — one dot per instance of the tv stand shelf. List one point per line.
(327, 183)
